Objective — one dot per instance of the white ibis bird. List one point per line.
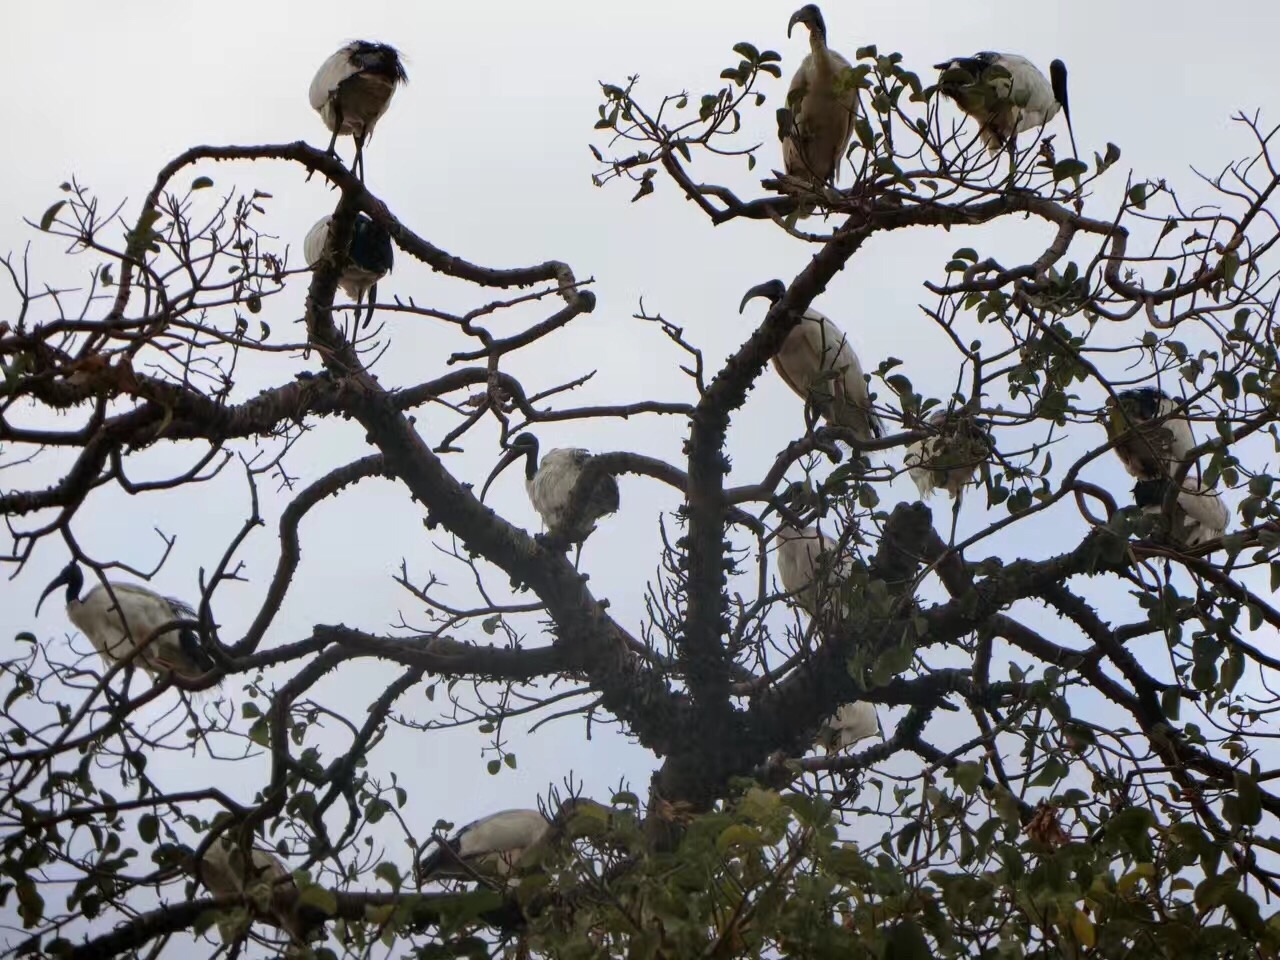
(369, 258)
(1007, 94)
(116, 637)
(1199, 514)
(804, 556)
(352, 90)
(551, 485)
(817, 123)
(819, 365)
(950, 459)
(494, 845)
(224, 872)
(851, 723)
(1151, 439)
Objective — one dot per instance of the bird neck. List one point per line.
(530, 464)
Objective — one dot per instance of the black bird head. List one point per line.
(377, 58)
(1142, 403)
(811, 17)
(963, 72)
(771, 290)
(72, 576)
(1058, 80)
(1150, 493)
(371, 247)
(525, 445)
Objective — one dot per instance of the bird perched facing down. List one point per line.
(950, 459)
(223, 871)
(1199, 514)
(116, 637)
(551, 485)
(1157, 440)
(1007, 94)
(804, 556)
(814, 350)
(369, 259)
(817, 123)
(851, 723)
(352, 90)
(494, 845)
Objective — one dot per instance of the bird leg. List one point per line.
(357, 165)
(332, 149)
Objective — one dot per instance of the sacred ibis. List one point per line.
(223, 871)
(1151, 436)
(369, 258)
(494, 845)
(814, 351)
(1199, 514)
(551, 485)
(948, 460)
(851, 723)
(1007, 95)
(145, 612)
(817, 123)
(809, 566)
(352, 90)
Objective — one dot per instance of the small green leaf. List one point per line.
(148, 827)
(47, 220)
(200, 183)
(1138, 195)
(494, 766)
(1070, 167)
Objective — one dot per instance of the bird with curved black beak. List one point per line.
(551, 486)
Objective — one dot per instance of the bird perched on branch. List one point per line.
(810, 566)
(817, 123)
(493, 846)
(1007, 94)
(819, 365)
(352, 90)
(1198, 516)
(551, 485)
(369, 259)
(145, 613)
(950, 459)
(224, 872)
(1152, 438)
(851, 723)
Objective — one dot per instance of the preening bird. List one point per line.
(817, 123)
(1007, 94)
(1151, 439)
(494, 845)
(851, 723)
(805, 556)
(551, 485)
(115, 637)
(352, 90)
(1199, 514)
(223, 871)
(369, 259)
(814, 350)
(950, 459)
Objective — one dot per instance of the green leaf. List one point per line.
(388, 871)
(967, 776)
(1138, 195)
(906, 941)
(47, 220)
(319, 898)
(201, 183)
(1249, 799)
(1068, 168)
(493, 767)
(148, 827)
(746, 50)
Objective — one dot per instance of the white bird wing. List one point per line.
(551, 488)
(1181, 437)
(316, 238)
(1205, 509)
(814, 350)
(823, 121)
(332, 72)
(922, 476)
(1031, 92)
(853, 722)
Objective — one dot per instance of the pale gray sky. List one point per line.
(485, 154)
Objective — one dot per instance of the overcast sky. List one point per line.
(485, 154)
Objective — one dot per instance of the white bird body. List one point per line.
(851, 723)
(1006, 101)
(353, 87)
(822, 112)
(491, 845)
(1151, 440)
(222, 871)
(802, 556)
(1199, 514)
(116, 637)
(550, 485)
(368, 261)
(950, 459)
(814, 350)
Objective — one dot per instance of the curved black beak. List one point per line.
(69, 576)
(508, 458)
(771, 290)
(797, 17)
